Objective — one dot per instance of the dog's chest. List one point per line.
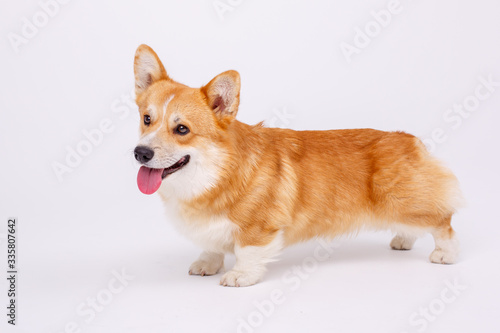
(212, 233)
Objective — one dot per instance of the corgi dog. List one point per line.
(251, 190)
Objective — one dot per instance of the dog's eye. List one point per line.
(147, 119)
(182, 130)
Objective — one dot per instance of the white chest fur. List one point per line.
(213, 234)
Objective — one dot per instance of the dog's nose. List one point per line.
(143, 154)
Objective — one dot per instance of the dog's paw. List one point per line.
(238, 279)
(402, 242)
(439, 256)
(205, 267)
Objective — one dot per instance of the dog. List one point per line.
(252, 190)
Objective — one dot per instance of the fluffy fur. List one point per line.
(251, 190)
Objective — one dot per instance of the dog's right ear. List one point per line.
(147, 68)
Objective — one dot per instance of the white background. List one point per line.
(74, 233)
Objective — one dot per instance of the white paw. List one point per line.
(238, 279)
(440, 256)
(402, 242)
(205, 267)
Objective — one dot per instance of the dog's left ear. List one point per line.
(223, 95)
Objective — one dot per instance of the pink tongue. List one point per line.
(149, 180)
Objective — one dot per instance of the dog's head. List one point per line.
(181, 127)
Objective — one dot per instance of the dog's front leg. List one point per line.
(251, 262)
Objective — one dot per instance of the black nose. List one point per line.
(143, 154)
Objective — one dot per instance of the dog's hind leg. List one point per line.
(447, 247)
(403, 241)
(209, 263)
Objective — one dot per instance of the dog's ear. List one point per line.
(147, 68)
(223, 95)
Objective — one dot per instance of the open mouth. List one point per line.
(175, 167)
(149, 179)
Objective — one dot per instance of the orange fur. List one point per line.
(303, 183)
(325, 183)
